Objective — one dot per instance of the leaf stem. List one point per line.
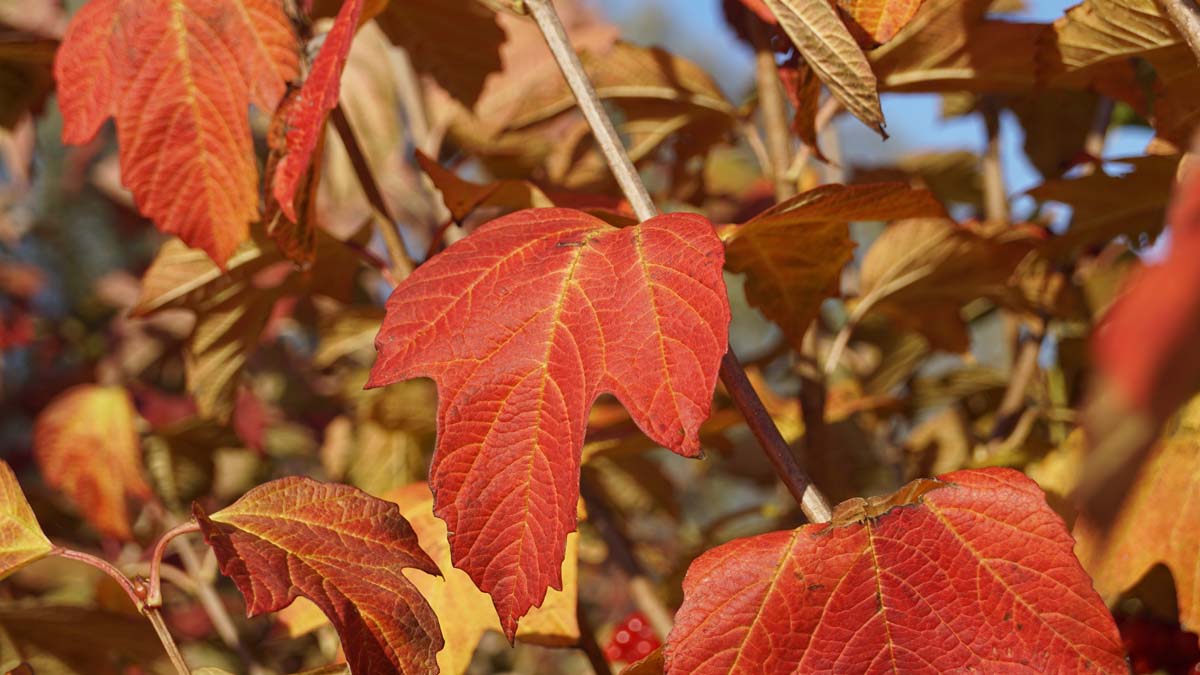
(137, 596)
(154, 599)
(402, 264)
(732, 374)
(164, 635)
(1186, 17)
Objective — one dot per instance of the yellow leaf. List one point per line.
(21, 538)
(87, 446)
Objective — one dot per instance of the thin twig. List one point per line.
(774, 112)
(1186, 17)
(593, 111)
(139, 601)
(154, 598)
(1024, 368)
(995, 195)
(811, 501)
(135, 595)
(402, 264)
(732, 374)
(164, 635)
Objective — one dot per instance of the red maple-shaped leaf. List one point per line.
(342, 549)
(179, 77)
(972, 572)
(318, 95)
(523, 324)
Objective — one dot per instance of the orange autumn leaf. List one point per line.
(21, 538)
(178, 78)
(86, 443)
(340, 548)
(971, 572)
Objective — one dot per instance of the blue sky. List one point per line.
(696, 29)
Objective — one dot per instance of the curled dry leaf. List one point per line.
(21, 538)
(523, 324)
(316, 98)
(829, 49)
(969, 571)
(86, 443)
(179, 78)
(793, 253)
(343, 550)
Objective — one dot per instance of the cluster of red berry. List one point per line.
(632, 640)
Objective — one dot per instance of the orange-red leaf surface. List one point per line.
(87, 446)
(318, 95)
(21, 538)
(342, 549)
(968, 573)
(178, 78)
(523, 324)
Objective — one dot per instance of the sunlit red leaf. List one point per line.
(793, 253)
(179, 78)
(343, 550)
(317, 96)
(968, 572)
(523, 324)
(21, 538)
(87, 445)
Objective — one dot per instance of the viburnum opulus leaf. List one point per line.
(971, 572)
(342, 549)
(178, 78)
(523, 324)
